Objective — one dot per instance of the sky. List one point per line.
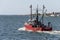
(21, 7)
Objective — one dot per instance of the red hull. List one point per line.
(29, 27)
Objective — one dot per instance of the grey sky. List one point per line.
(17, 7)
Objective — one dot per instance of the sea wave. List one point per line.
(49, 32)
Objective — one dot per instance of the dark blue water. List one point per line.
(9, 28)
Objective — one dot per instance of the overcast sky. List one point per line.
(17, 7)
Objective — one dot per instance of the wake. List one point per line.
(49, 32)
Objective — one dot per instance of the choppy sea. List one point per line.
(9, 25)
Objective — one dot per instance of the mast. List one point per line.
(37, 14)
(43, 14)
(31, 12)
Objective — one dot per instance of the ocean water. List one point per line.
(10, 24)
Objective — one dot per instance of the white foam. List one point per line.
(49, 32)
(22, 29)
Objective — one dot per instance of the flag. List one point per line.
(43, 7)
(30, 6)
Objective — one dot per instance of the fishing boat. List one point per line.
(33, 24)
